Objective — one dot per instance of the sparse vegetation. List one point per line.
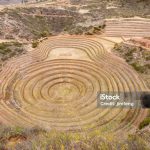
(36, 138)
(10, 49)
(137, 57)
(35, 44)
(45, 34)
(138, 67)
(34, 23)
(144, 123)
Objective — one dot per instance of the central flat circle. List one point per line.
(68, 53)
(63, 92)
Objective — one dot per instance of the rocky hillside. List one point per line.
(74, 17)
(9, 50)
(35, 22)
(136, 56)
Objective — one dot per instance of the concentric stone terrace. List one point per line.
(60, 92)
(128, 27)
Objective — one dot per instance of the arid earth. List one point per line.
(59, 56)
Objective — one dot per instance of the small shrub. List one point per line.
(144, 123)
(138, 68)
(2, 46)
(17, 131)
(117, 47)
(8, 50)
(44, 34)
(97, 28)
(89, 33)
(35, 44)
(147, 58)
